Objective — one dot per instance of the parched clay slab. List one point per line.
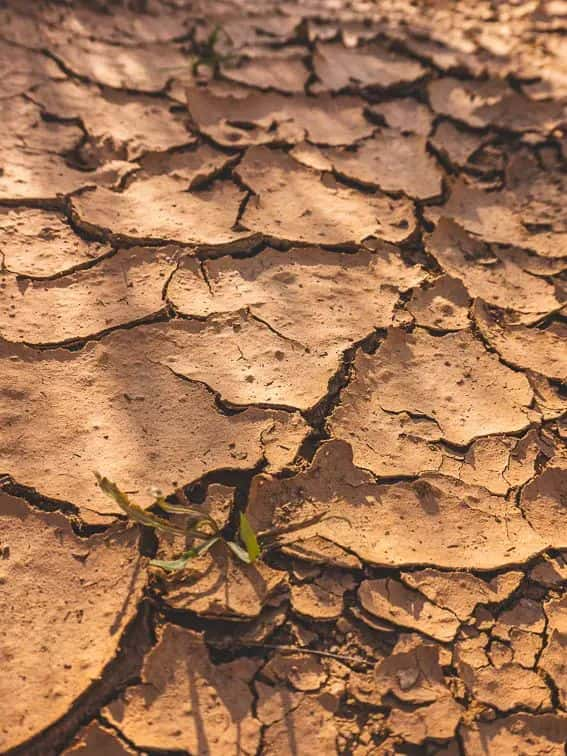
(220, 587)
(85, 593)
(492, 103)
(159, 208)
(390, 600)
(39, 243)
(456, 145)
(96, 739)
(461, 592)
(451, 379)
(391, 162)
(144, 68)
(20, 70)
(322, 598)
(438, 720)
(509, 687)
(125, 288)
(195, 167)
(24, 128)
(372, 66)
(526, 734)
(284, 73)
(312, 721)
(118, 125)
(113, 407)
(436, 520)
(495, 217)
(257, 118)
(543, 503)
(212, 702)
(443, 305)
(300, 205)
(497, 280)
(539, 349)
(405, 114)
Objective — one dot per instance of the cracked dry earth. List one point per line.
(325, 285)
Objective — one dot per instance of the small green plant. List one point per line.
(209, 55)
(200, 526)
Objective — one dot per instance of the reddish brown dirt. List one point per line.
(321, 280)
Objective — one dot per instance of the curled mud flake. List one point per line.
(144, 68)
(194, 167)
(539, 349)
(118, 125)
(322, 551)
(456, 145)
(405, 114)
(79, 611)
(551, 571)
(212, 703)
(322, 599)
(460, 592)
(122, 289)
(495, 279)
(436, 521)
(450, 379)
(509, 687)
(525, 734)
(527, 616)
(38, 243)
(392, 601)
(556, 613)
(311, 156)
(115, 408)
(438, 720)
(391, 162)
(282, 73)
(255, 118)
(443, 305)
(299, 205)
(549, 400)
(95, 739)
(368, 67)
(481, 104)
(553, 662)
(20, 69)
(304, 672)
(219, 586)
(160, 208)
(311, 725)
(25, 129)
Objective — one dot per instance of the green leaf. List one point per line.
(248, 538)
(239, 551)
(180, 563)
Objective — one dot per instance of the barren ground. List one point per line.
(320, 279)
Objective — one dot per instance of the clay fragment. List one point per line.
(216, 715)
(528, 734)
(322, 599)
(195, 167)
(412, 673)
(543, 503)
(405, 114)
(21, 69)
(25, 129)
(122, 289)
(39, 244)
(95, 739)
(392, 601)
(509, 687)
(441, 306)
(312, 723)
(285, 73)
(304, 672)
(87, 595)
(437, 720)
(456, 145)
(372, 66)
(299, 205)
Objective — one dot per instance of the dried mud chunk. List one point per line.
(20, 69)
(439, 720)
(543, 504)
(456, 145)
(412, 673)
(159, 208)
(285, 73)
(144, 68)
(221, 587)
(405, 114)
(194, 167)
(38, 243)
(26, 129)
(492, 103)
(118, 125)
(527, 615)
(392, 601)
(386, 443)
(311, 725)
(372, 66)
(273, 119)
(322, 599)
(304, 672)
(122, 289)
(95, 740)
(113, 407)
(539, 349)
(556, 612)
(551, 571)
(435, 521)
(212, 702)
(496, 280)
(443, 305)
(521, 734)
(55, 646)
(460, 592)
(450, 379)
(509, 687)
(553, 661)
(300, 205)
(391, 162)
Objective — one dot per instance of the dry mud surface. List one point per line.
(322, 280)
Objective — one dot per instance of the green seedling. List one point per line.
(209, 56)
(199, 526)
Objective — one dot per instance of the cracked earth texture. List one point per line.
(322, 281)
